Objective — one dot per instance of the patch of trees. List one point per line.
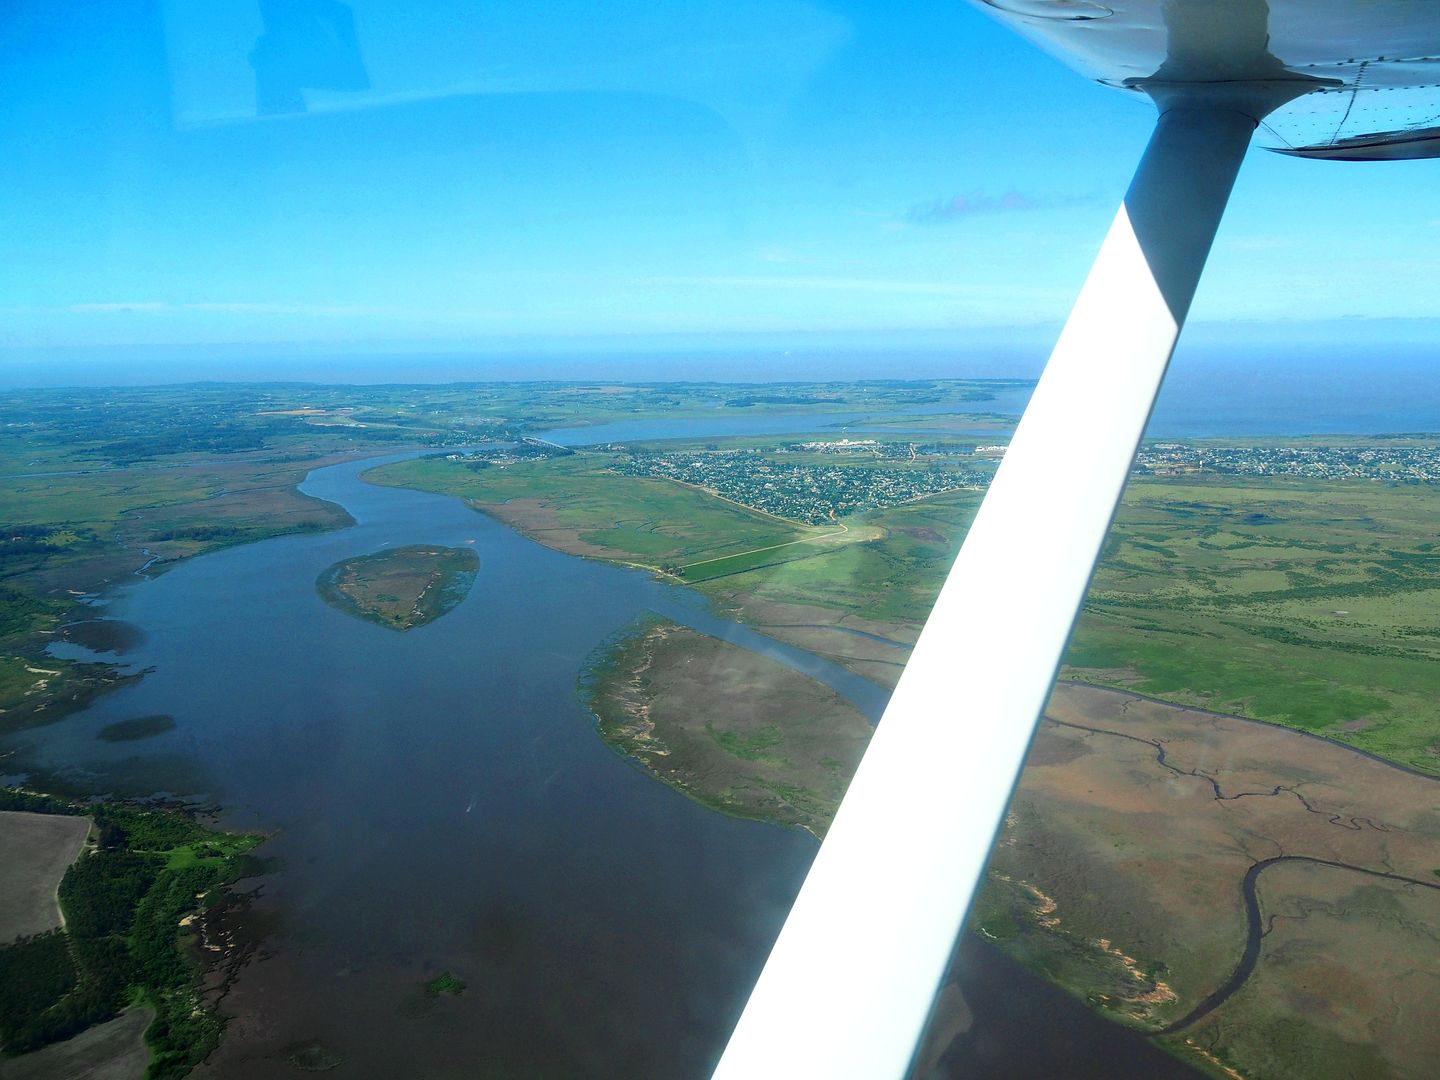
(35, 973)
(99, 891)
(219, 439)
(749, 400)
(152, 830)
(35, 803)
(20, 613)
(203, 533)
(43, 1002)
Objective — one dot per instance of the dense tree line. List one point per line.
(35, 803)
(100, 891)
(35, 973)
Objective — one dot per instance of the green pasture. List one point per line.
(652, 522)
(894, 579)
(1315, 605)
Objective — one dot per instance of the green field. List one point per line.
(577, 504)
(893, 578)
(1308, 604)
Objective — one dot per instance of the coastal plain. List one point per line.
(1157, 824)
(1121, 875)
(1208, 585)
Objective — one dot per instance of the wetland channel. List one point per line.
(1257, 926)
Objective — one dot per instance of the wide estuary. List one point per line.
(439, 801)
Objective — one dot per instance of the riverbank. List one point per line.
(79, 535)
(733, 730)
(1129, 868)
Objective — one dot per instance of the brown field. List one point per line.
(114, 1050)
(1119, 876)
(826, 632)
(540, 521)
(875, 660)
(1348, 982)
(730, 728)
(35, 851)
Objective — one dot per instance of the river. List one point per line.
(439, 801)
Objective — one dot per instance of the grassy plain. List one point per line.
(400, 588)
(1345, 985)
(1308, 604)
(1312, 604)
(577, 504)
(730, 728)
(1118, 873)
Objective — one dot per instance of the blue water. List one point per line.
(439, 801)
(1203, 395)
(1299, 393)
(1006, 402)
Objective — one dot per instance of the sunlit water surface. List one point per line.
(439, 801)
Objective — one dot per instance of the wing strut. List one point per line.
(850, 981)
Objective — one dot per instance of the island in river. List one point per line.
(401, 588)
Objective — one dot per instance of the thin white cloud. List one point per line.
(971, 203)
(118, 305)
(149, 307)
(830, 284)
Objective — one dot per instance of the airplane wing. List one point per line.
(849, 984)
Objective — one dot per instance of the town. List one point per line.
(810, 492)
(1408, 464)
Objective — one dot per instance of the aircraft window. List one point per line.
(473, 477)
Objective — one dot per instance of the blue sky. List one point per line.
(569, 172)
